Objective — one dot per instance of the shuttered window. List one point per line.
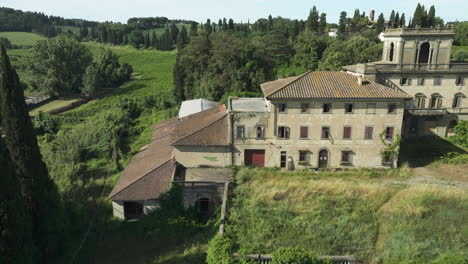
(368, 132)
(347, 132)
(304, 132)
(283, 132)
(389, 133)
(325, 132)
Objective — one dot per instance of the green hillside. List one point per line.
(24, 39)
(377, 216)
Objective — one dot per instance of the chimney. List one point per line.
(359, 80)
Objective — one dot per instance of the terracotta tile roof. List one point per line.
(150, 172)
(329, 85)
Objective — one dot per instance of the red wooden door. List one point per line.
(254, 157)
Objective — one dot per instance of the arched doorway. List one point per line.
(424, 53)
(392, 51)
(323, 158)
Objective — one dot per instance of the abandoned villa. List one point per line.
(342, 119)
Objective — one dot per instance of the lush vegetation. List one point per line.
(345, 214)
(21, 39)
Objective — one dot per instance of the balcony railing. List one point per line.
(427, 111)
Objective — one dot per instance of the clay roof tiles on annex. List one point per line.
(150, 172)
(333, 85)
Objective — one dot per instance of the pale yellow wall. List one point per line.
(366, 152)
(198, 156)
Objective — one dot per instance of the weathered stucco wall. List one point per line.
(365, 152)
(200, 156)
(118, 209)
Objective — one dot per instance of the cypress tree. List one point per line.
(225, 25)
(312, 23)
(403, 20)
(270, 23)
(391, 21)
(154, 38)
(431, 17)
(342, 25)
(396, 24)
(231, 24)
(38, 190)
(322, 23)
(417, 17)
(174, 33)
(380, 23)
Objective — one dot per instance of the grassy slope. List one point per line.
(22, 38)
(53, 105)
(347, 213)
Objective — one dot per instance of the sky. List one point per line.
(239, 10)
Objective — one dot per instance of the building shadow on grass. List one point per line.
(419, 152)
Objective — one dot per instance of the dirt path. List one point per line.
(423, 175)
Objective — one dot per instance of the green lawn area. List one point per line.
(347, 213)
(24, 39)
(53, 105)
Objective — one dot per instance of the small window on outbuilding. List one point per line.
(327, 108)
(349, 108)
(282, 108)
(304, 108)
(392, 108)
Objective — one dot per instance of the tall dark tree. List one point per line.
(193, 29)
(182, 39)
(270, 23)
(396, 24)
(322, 23)
(154, 38)
(431, 18)
(417, 17)
(312, 23)
(342, 25)
(391, 21)
(37, 189)
(174, 32)
(207, 27)
(402, 20)
(380, 23)
(231, 24)
(225, 25)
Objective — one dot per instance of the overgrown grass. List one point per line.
(346, 215)
(23, 39)
(55, 104)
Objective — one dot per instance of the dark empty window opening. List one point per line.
(283, 159)
(405, 81)
(325, 132)
(346, 157)
(452, 124)
(349, 108)
(392, 108)
(460, 81)
(303, 157)
(133, 210)
(260, 132)
(203, 206)
(282, 108)
(421, 81)
(389, 133)
(304, 133)
(304, 108)
(283, 132)
(240, 132)
(347, 132)
(368, 132)
(457, 100)
(392, 50)
(424, 53)
(420, 101)
(436, 101)
(327, 108)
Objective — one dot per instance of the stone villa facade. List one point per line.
(342, 119)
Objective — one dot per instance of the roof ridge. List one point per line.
(289, 83)
(135, 181)
(209, 124)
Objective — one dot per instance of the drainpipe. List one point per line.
(231, 131)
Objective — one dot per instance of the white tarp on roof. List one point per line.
(195, 106)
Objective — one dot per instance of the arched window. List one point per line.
(457, 100)
(436, 101)
(392, 51)
(424, 53)
(420, 100)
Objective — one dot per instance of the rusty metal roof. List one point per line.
(329, 85)
(150, 172)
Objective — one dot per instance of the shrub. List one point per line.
(293, 256)
(220, 251)
(461, 133)
(454, 158)
(45, 123)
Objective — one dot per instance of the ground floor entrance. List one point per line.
(323, 158)
(254, 157)
(133, 210)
